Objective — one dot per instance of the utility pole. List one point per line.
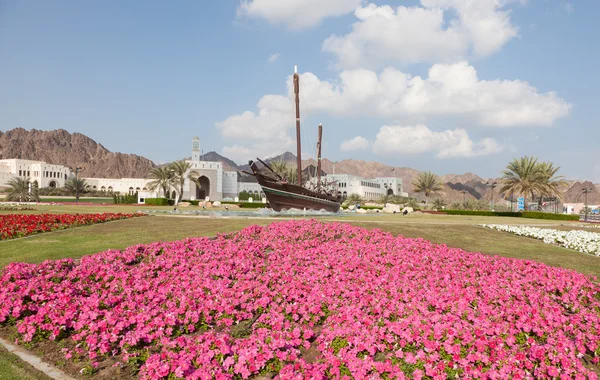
(493, 184)
(586, 191)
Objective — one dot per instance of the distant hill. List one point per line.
(74, 150)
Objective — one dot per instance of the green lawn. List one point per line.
(13, 368)
(82, 199)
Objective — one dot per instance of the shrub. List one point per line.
(483, 213)
(549, 216)
(525, 214)
(156, 201)
(126, 199)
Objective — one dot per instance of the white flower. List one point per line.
(582, 241)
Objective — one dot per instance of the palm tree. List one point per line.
(354, 199)
(161, 179)
(551, 182)
(427, 183)
(286, 171)
(526, 177)
(178, 170)
(19, 191)
(439, 203)
(456, 205)
(385, 199)
(77, 186)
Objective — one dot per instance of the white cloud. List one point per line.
(273, 58)
(296, 14)
(356, 143)
(448, 91)
(414, 140)
(439, 30)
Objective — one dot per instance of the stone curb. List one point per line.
(36, 362)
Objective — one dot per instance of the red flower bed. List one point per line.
(19, 225)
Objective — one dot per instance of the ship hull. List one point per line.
(286, 196)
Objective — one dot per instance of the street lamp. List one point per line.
(586, 191)
(492, 184)
(464, 193)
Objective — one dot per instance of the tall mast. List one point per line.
(319, 155)
(298, 144)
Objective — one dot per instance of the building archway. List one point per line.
(203, 188)
(35, 184)
(52, 184)
(390, 192)
(173, 195)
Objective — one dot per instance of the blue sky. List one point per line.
(432, 84)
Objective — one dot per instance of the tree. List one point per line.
(282, 168)
(439, 203)
(551, 182)
(76, 186)
(385, 199)
(19, 191)
(527, 177)
(427, 183)
(354, 199)
(178, 170)
(161, 179)
(456, 205)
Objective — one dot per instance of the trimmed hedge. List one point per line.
(525, 214)
(482, 213)
(157, 201)
(549, 216)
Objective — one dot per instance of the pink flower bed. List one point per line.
(306, 299)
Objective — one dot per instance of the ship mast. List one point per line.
(319, 155)
(298, 144)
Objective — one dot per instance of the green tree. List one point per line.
(288, 172)
(456, 205)
(178, 170)
(76, 186)
(527, 177)
(427, 183)
(439, 203)
(552, 183)
(161, 178)
(19, 190)
(353, 199)
(385, 199)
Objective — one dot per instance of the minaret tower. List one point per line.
(196, 149)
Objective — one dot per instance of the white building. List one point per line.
(213, 182)
(39, 172)
(369, 189)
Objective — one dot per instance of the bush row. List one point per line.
(525, 214)
(159, 201)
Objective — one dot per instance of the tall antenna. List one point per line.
(319, 155)
(298, 143)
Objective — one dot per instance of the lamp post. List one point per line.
(586, 191)
(492, 184)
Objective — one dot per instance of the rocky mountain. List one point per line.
(73, 150)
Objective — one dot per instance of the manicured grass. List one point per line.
(120, 234)
(13, 368)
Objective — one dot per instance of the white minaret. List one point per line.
(196, 149)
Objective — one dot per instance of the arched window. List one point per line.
(131, 191)
(110, 189)
(103, 188)
(94, 187)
